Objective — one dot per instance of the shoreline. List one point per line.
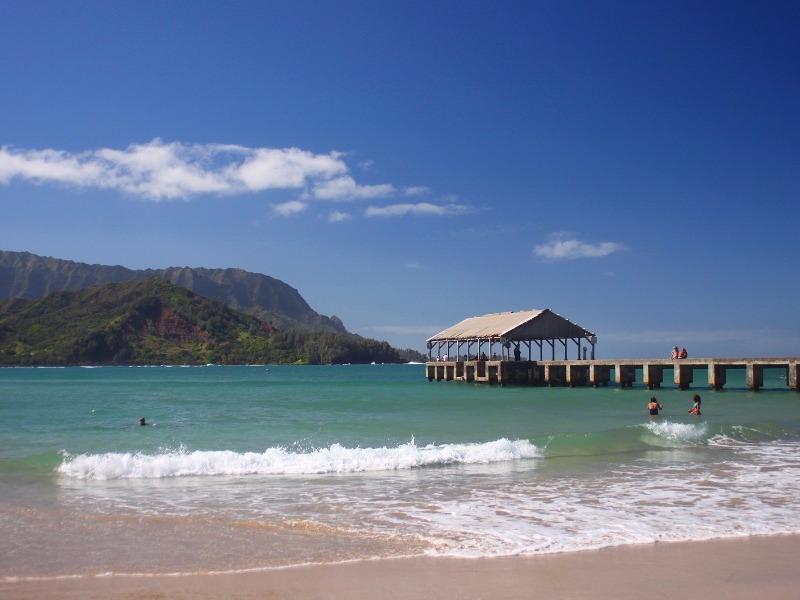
(740, 568)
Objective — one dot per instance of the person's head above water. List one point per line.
(142, 421)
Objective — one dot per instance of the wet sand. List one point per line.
(734, 569)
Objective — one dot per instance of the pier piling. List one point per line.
(625, 374)
(717, 376)
(684, 375)
(755, 377)
(652, 376)
(599, 375)
(596, 373)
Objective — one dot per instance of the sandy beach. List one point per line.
(735, 569)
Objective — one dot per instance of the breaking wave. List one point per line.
(280, 461)
(688, 433)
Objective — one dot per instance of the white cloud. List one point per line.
(422, 208)
(338, 216)
(290, 208)
(417, 190)
(159, 170)
(572, 249)
(345, 188)
(366, 164)
(43, 165)
(270, 168)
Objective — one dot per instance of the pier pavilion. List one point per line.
(500, 332)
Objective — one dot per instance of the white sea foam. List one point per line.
(276, 461)
(689, 433)
(629, 505)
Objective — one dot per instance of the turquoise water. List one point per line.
(258, 467)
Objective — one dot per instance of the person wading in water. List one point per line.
(654, 406)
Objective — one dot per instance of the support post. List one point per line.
(717, 376)
(535, 373)
(625, 375)
(555, 374)
(684, 375)
(755, 376)
(793, 376)
(652, 376)
(577, 375)
(599, 375)
(469, 371)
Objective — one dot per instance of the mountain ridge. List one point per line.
(30, 276)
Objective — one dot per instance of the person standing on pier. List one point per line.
(654, 406)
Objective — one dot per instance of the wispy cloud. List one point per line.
(161, 170)
(421, 208)
(564, 248)
(346, 188)
(292, 207)
(338, 216)
(419, 190)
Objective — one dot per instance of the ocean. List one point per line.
(259, 467)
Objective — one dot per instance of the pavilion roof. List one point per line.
(513, 326)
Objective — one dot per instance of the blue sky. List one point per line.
(632, 166)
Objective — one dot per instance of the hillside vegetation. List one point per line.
(26, 275)
(156, 322)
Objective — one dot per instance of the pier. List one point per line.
(501, 348)
(601, 373)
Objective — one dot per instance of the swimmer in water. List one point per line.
(142, 421)
(654, 406)
(695, 410)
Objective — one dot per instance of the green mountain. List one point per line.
(156, 322)
(26, 275)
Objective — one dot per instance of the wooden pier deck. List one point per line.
(622, 372)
